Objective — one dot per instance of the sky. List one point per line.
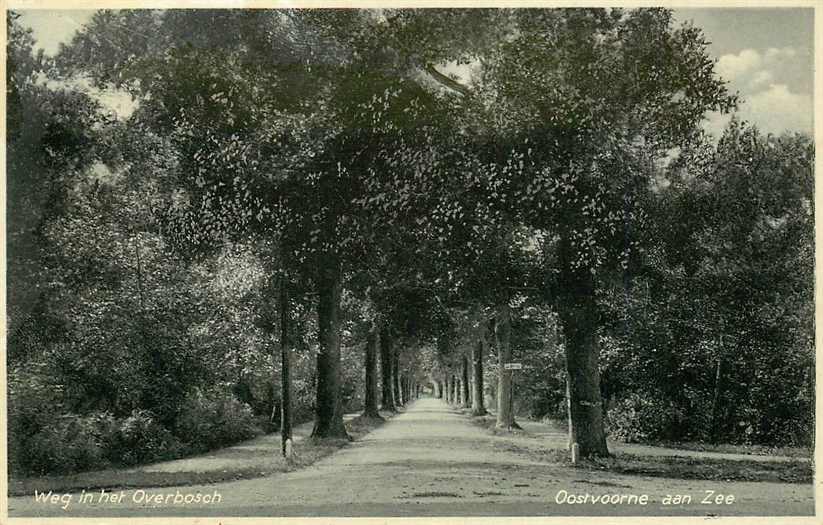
(766, 55)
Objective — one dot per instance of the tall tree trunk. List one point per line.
(478, 402)
(579, 316)
(715, 428)
(328, 409)
(398, 398)
(456, 390)
(386, 369)
(572, 436)
(464, 382)
(370, 408)
(502, 333)
(285, 368)
(470, 360)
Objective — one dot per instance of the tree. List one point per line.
(573, 160)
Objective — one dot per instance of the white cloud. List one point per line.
(773, 110)
(761, 78)
(768, 81)
(715, 122)
(778, 108)
(731, 66)
(756, 66)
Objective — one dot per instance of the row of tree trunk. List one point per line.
(396, 388)
(578, 317)
(465, 387)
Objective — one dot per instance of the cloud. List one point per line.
(761, 78)
(773, 110)
(731, 66)
(778, 108)
(774, 54)
(755, 67)
(773, 85)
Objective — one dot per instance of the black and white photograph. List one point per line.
(448, 263)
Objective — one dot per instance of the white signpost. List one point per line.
(513, 366)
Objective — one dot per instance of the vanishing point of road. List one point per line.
(432, 461)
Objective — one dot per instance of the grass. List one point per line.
(703, 468)
(306, 452)
(489, 422)
(726, 448)
(679, 467)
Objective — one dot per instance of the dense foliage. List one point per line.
(557, 205)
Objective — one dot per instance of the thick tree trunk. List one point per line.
(715, 428)
(580, 320)
(370, 408)
(285, 369)
(502, 332)
(386, 370)
(328, 409)
(456, 390)
(398, 398)
(464, 382)
(572, 436)
(478, 402)
(470, 360)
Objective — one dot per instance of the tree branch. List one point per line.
(446, 81)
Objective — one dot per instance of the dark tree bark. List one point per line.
(370, 408)
(328, 409)
(386, 370)
(478, 403)
(580, 319)
(398, 399)
(502, 332)
(572, 437)
(715, 428)
(285, 368)
(464, 382)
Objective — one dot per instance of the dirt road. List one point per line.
(431, 461)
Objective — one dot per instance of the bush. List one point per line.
(44, 437)
(71, 443)
(213, 419)
(139, 438)
(642, 417)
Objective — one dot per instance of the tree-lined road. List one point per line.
(432, 461)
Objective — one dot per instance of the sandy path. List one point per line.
(431, 461)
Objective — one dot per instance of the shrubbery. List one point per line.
(210, 419)
(642, 417)
(42, 440)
